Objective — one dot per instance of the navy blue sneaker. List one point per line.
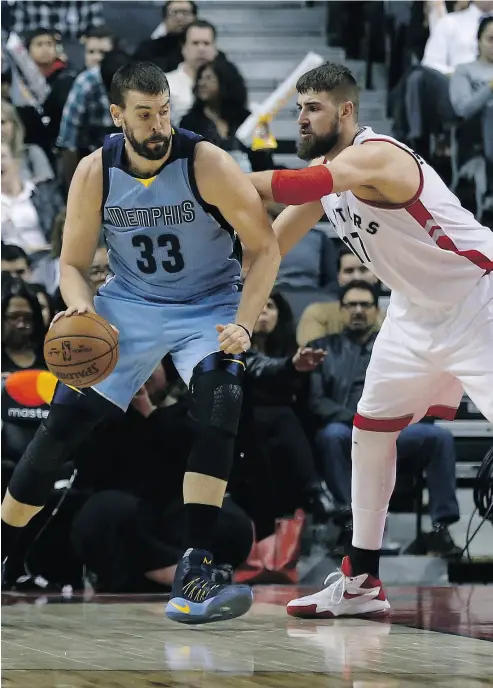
(197, 597)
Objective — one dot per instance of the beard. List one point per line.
(317, 146)
(143, 149)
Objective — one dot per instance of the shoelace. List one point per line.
(199, 589)
(339, 585)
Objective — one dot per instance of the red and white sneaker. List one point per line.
(348, 595)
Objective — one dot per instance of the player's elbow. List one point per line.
(267, 250)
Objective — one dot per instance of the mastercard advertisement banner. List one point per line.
(26, 395)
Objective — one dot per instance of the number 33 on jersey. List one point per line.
(163, 250)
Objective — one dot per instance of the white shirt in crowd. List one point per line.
(454, 40)
(20, 221)
(181, 93)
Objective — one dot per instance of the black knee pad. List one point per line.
(64, 429)
(217, 393)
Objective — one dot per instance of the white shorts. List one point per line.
(422, 362)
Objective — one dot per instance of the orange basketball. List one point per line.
(81, 350)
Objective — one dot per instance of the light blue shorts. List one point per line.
(151, 329)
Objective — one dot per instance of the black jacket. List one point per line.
(164, 51)
(331, 383)
(272, 380)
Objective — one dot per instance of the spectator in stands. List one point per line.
(198, 49)
(219, 109)
(26, 212)
(45, 302)
(86, 117)
(335, 390)
(15, 262)
(71, 20)
(23, 329)
(68, 18)
(165, 51)
(42, 46)
(35, 165)
(34, 129)
(471, 88)
(453, 42)
(275, 379)
(321, 319)
(99, 269)
(97, 43)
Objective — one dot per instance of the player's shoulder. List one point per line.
(92, 164)
(89, 173)
(208, 158)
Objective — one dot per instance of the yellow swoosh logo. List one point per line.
(235, 360)
(185, 609)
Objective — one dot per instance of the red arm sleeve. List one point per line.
(296, 187)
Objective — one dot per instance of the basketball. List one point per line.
(81, 350)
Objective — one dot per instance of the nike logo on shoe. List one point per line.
(185, 609)
(365, 592)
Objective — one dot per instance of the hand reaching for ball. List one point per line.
(77, 310)
(72, 310)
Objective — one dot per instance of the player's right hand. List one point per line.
(77, 310)
(72, 310)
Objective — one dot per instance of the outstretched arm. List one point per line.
(377, 166)
(222, 183)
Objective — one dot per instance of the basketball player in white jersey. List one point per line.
(396, 214)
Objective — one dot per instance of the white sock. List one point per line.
(374, 458)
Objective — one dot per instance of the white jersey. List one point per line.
(430, 251)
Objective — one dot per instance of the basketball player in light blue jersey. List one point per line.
(171, 206)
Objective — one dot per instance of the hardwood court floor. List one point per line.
(437, 637)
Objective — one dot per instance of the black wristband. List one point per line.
(244, 328)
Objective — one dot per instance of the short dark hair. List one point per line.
(358, 284)
(10, 252)
(102, 32)
(41, 31)
(170, 2)
(145, 77)
(483, 25)
(343, 251)
(200, 24)
(332, 78)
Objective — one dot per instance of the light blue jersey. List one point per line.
(163, 240)
(175, 272)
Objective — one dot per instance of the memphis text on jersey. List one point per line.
(151, 217)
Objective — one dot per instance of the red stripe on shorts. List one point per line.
(426, 220)
(381, 424)
(440, 411)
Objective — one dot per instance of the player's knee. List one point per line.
(217, 398)
(39, 466)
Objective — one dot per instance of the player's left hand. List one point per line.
(233, 339)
